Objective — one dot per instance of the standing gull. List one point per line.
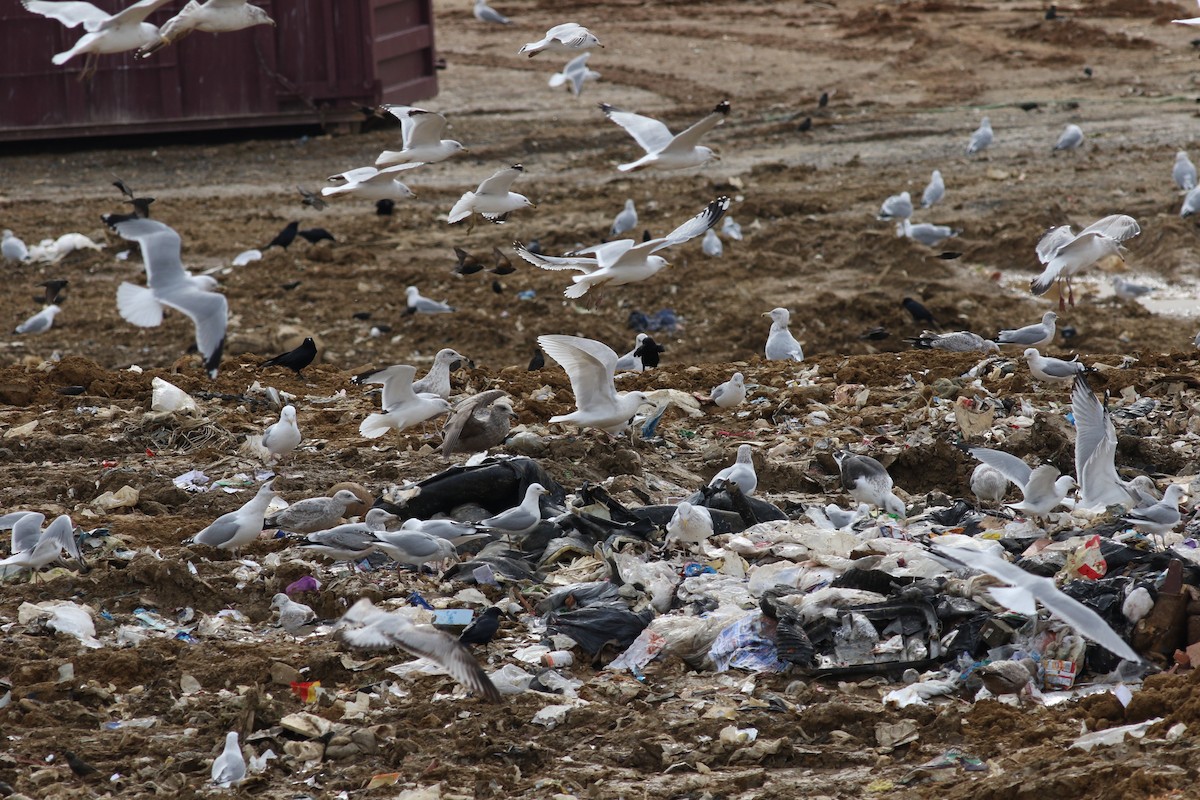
(741, 471)
(576, 74)
(926, 233)
(416, 304)
(283, 436)
(421, 138)
(212, 16)
(868, 482)
(118, 33)
(229, 768)
(402, 407)
(170, 285)
(981, 139)
(493, 199)
(485, 13)
(292, 615)
(1037, 335)
(1053, 370)
(625, 221)
(414, 548)
(1070, 139)
(13, 249)
(781, 345)
(1191, 202)
(934, 191)
(665, 150)
(1065, 253)
(590, 365)
(313, 513)
(437, 380)
(988, 483)
(521, 519)
(479, 423)
(568, 37)
(1042, 488)
(371, 183)
(1184, 172)
(898, 206)
(731, 393)
(39, 322)
(1128, 290)
(1160, 518)
(235, 530)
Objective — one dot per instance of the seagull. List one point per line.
(1043, 489)
(416, 304)
(313, 513)
(342, 543)
(478, 423)
(741, 471)
(437, 380)
(520, 519)
(485, 13)
(212, 16)
(954, 342)
(625, 221)
(665, 150)
(229, 768)
(575, 73)
(456, 533)
(731, 229)
(926, 233)
(1192, 21)
(934, 191)
(591, 365)
(39, 322)
(1160, 518)
(1037, 335)
(13, 249)
(170, 285)
(988, 483)
(731, 393)
(1184, 172)
(1065, 253)
(690, 524)
(781, 345)
(292, 615)
(235, 530)
(868, 482)
(412, 547)
(711, 245)
(282, 437)
(1095, 452)
(1191, 203)
(371, 183)
(493, 199)
(1128, 290)
(1070, 139)
(981, 139)
(898, 206)
(33, 548)
(565, 38)
(116, 33)
(1054, 370)
(624, 261)
(402, 407)
(421, 134)
(366, 627)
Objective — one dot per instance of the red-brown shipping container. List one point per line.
(322, 60)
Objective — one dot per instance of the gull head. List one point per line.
(779, 316)
(707, 153)
(505, 407)
(403, 190)
(657, 262)
(456, 147)
(288, 413)
(259, 16)
(1031, 353)
(280, 600)
(443, 406)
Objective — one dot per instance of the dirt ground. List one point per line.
(907, 82)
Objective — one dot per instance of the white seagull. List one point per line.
(437, 380)
(116, 33)
(170, 285)
(591, 365)
(741, 471)
(1053, 370)
(418, 304)
(520, 519)
(731, 393)
(665, 150)
(1160, 518)
(235, 530)
(212, 16)
(229, 768)
(568, 37)
(283, 436)
(1066, 253)
(981, 139)
(898, 206)
(934, 191)
(625, 221)
(371, 183)
(781, 345)
(39, 322)
(493, 199)
(575, 73)
(402, 407)
(421, 136)
(1039, 334)
(14, 249)
(868, 482)
(1043, 488)
(1070, 139)
(485, 13)
(1184, 172)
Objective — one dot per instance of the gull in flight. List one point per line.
(591, 365)
(212, 16)
(371, 183)
(116, 33)
(170, 285)
(1095, 452)
(1042, 488)
(576, 73)
(421, 135)
(625, 260)
(1066, 253)
(479, 422)
(493, 199)
(565, 38)
(402, 407)
(665, 150)
(1192, 21)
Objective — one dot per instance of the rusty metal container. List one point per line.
(322, 61)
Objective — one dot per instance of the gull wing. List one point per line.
(422, 127)
(1095, 449)
(1055, 238)
(584, 265)
(160, 251)
(577, 64)
(652, 135)
(691, 137)
(209, 312)
(589, 364)
(501, 183)
(695, 226)
(1006, 464)
(463, 413)
(397, 383)
(68, 13)
(1114, 226)
(132, 15)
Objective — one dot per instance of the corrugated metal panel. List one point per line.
(323, 59)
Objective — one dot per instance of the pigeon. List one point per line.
(575, 74)
(39, 322)
(988, 484)
(12, 248)
(953, 342)
(1054, 370)
(229, 768)
(934, 191)
(117, 33)
(311, 199)
(292, 615)
(483, 628)
(366, 627)
(1070, 139)
(1160, 518)
(313, 514)
(740, 472)
(898, 206)
(493, 199)
(731, 393)
(478, 423)
(1128, 290)
(590, 365)
(868, 482)
(1037, 335)
(371, 183)
(437, 380)
(416, 304)
(235, 530)
(211, 16)
(625, 221)
(1065, 253)
(568, 37)
(781, 345)
(485, 13)
(421, 133)
(501, 264)
(170, 285)
(665, 150)
(402, 407)
(623, 261)
(314, 235)
(690, 524)
(1184, 172)
(295, 360)
(981, 139)
(919, 312)
(520, 519)
(467, 264)
(282, 437)
(1043, 489)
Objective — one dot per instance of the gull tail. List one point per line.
(462, 209)
(390, 158)
(374, 426)
(1016, 599)
(212, 364)
(558, 79)
(137, 305)
(577, 289)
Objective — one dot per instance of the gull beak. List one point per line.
(765, 314)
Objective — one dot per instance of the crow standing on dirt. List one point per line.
(295, 360)
(80, 767)
(919, 312)
(648, 351)
(314, 235)
(285, 237)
